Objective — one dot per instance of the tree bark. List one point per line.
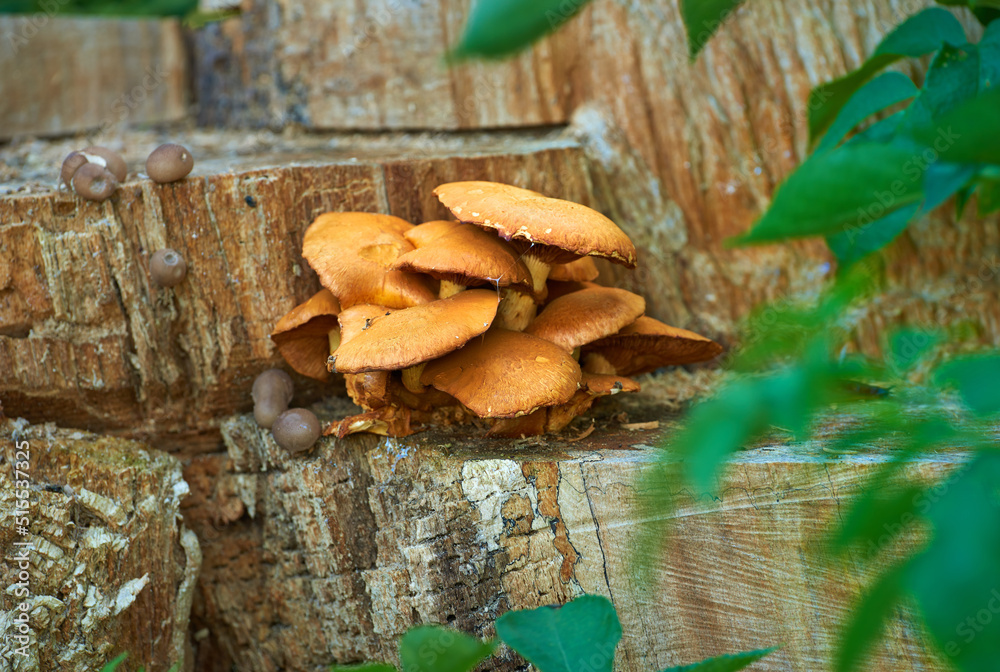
(109, 567)
(333, 556)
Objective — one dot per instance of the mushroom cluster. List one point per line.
(494, 318)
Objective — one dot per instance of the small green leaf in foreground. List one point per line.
(868, 618)
(885, 90)
(499, 28)
(920, 34)
(364, 667)
(702, 18)
(580, 635)
(851, 186)
(975, 378)
(113, 664)
(726, 663)
(431, 648)
(969, 134)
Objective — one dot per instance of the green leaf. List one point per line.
(499, 28)
(580, 635)
(852, 185)
(857, 242)
(920, 34)
(432, 648)
(706, 443)
(885, 90)
(907, 346)
(952, 79)
(364, 667)
(968, 134)
(726, 663)
(956, 580)
(988, 196)
(113, 664)
(877, 517)
(975, 378)
(868, 619)
(702, 18)
(943, 180)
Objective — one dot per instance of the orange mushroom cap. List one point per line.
(585, 316)
(648, 344)
(403, 338)
(428, 232)
(582, 270)
(505, 374)
(467, 256)
(352, 251)
(556, 231)
(303, 335)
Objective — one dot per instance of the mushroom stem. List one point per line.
(334, 337)
(411, 378)
(539, 271)
(517, 309)
(449, 288)
(595, 362)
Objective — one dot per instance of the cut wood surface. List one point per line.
(84, 330)
(110, 567)
(63, 75)
(333, 556)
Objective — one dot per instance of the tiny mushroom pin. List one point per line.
(167, 267)
(272, 392)
(296, 430)
(94, 182)
(169, 163)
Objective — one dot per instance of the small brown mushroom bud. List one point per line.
(169, 163)
(296, 430)
(70, 165)
(167, 267)
(113, 161)
(272, 392)
(94, 182)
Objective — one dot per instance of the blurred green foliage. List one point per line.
(580, 635)
(100, 7)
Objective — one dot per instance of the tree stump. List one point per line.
(330, 558)
(83, 326)
(107, 567)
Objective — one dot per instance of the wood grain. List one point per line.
(366, 538)
(64, 75)
(111, 567)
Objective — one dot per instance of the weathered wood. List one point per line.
(64, 75)
(684, 155)
(332, 557)
(83, 327)
(110, 568)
